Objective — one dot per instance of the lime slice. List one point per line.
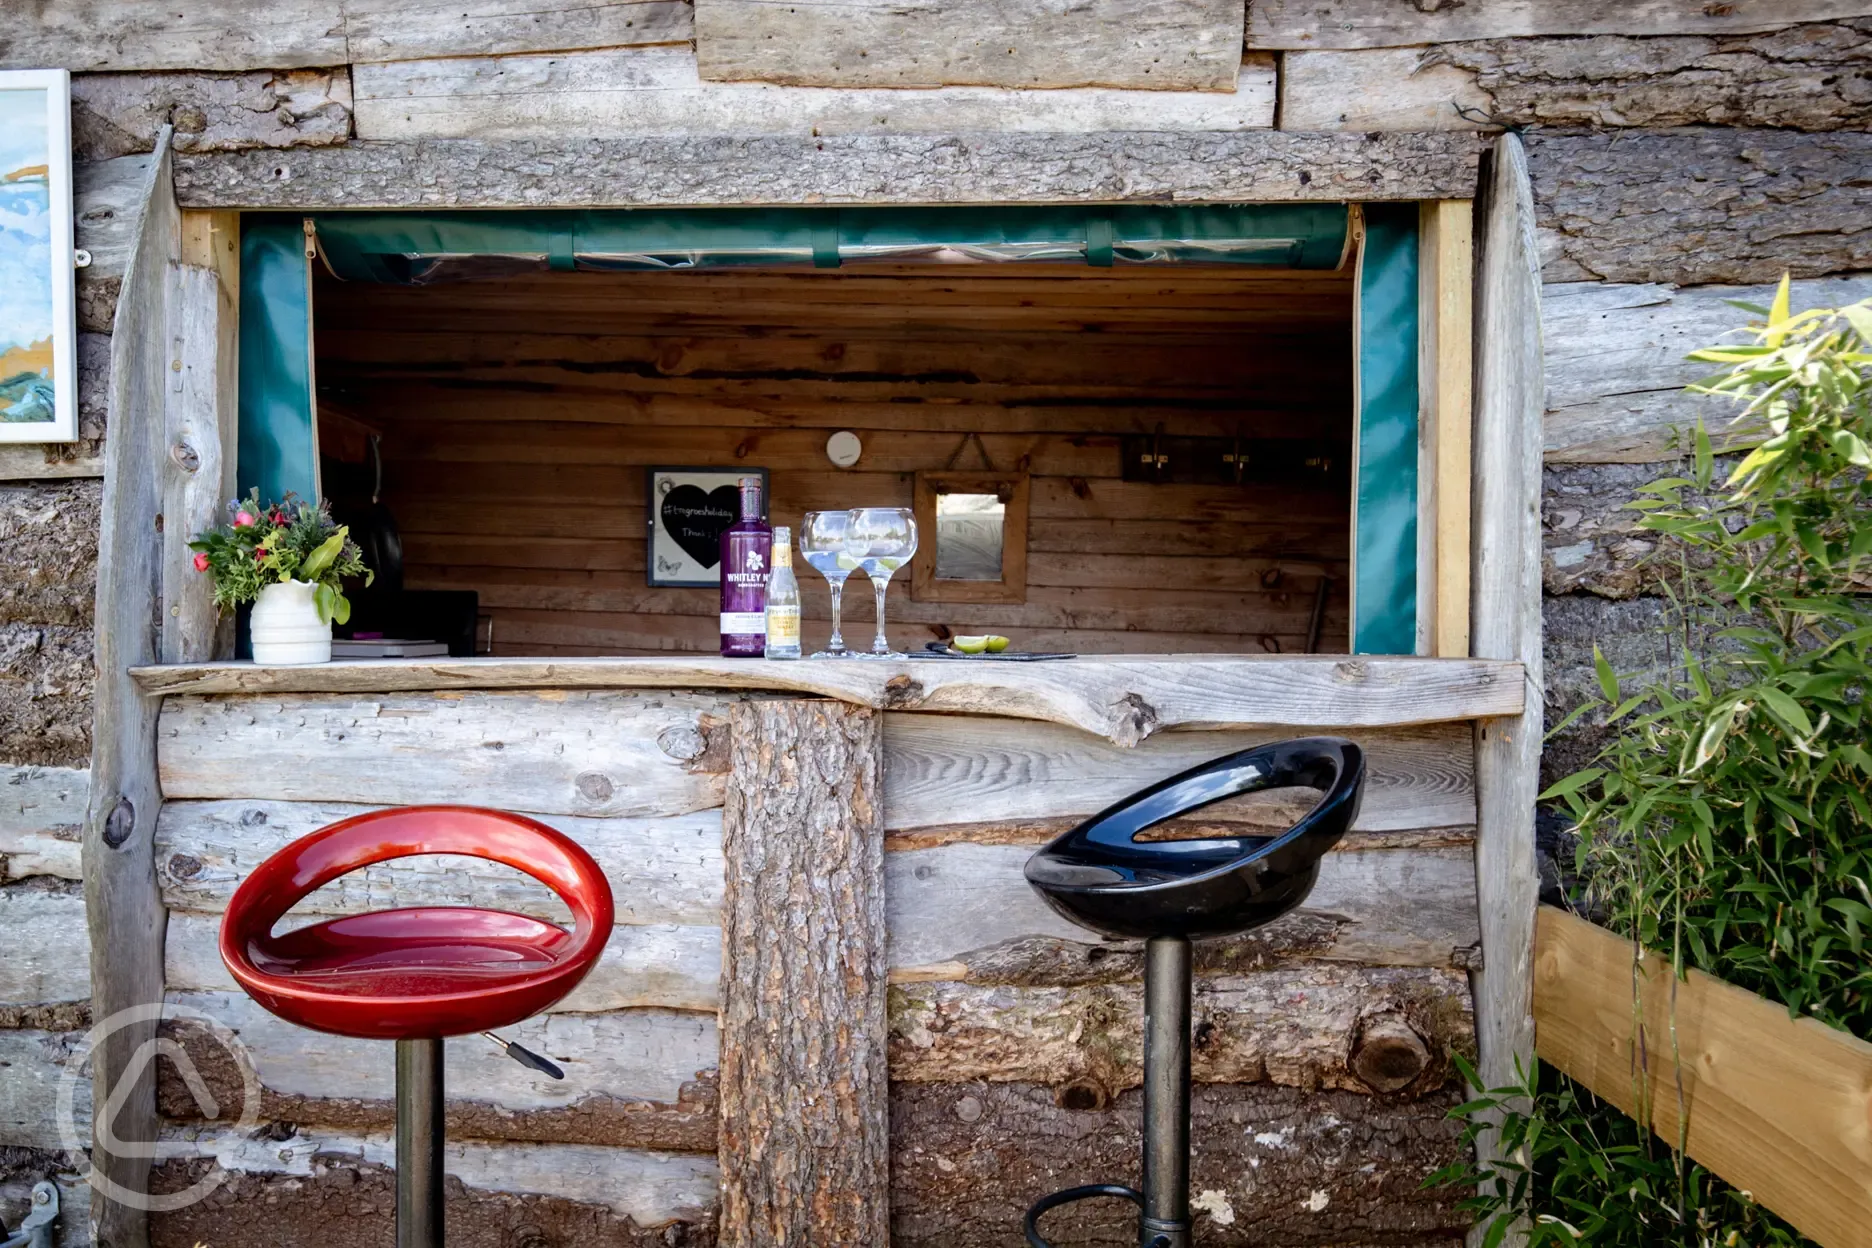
(975, 645)
(847, 564)
(996, 643)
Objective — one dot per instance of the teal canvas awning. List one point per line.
(424, 247)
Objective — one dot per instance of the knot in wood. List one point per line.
(1350, 671)
(1085, 1095)
(901, 690)
(120, 823)
(186, 457)
(184, 867)
(1387, 1053)
(682, 743)
(1133, 720)
(594, 786)
(188, 119)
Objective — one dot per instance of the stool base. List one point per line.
(1164, 1217)
(419, 1106)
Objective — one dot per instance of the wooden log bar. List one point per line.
(1125, 699)
(805, 1128)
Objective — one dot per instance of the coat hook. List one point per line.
(1155, 459)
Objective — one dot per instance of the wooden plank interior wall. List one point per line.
(519, 415)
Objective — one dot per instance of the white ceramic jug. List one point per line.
(286, 628)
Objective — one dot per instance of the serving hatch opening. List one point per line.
(1184, 432)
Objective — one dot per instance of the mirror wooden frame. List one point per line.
(1011, 487)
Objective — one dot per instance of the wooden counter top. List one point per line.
(1124, 698)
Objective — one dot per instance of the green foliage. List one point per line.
(1729, 821)
(1585, 1173)
(276, 543)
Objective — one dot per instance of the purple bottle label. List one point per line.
(746, 551)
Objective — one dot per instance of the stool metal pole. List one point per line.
(419, 1107)
(1166, 1221)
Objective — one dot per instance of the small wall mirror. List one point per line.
(968, 536)
(975, 526)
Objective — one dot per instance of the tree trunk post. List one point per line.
(804, 1142)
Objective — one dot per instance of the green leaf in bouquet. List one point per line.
(321, 559)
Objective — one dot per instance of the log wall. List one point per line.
(1011, 1034)
(519, 417)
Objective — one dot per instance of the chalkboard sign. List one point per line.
(687, 510)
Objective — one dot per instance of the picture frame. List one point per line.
(38, 325)
(683, 538)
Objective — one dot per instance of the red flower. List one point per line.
(201, 561)
(259, 555)
(242, 519)
(279, 519)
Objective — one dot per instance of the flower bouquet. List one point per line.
(289, 559)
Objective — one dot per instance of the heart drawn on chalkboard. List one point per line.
(695, 519)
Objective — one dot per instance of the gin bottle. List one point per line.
(745, 548)
(783, 604)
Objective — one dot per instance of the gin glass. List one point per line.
(881, 540)
(822, 540)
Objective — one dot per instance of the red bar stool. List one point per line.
(419, 974)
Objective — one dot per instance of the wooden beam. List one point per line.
(148, 34)
(204, 417)
(107, 205)
(118, 114)
(1446, 264)
(1193, 46)
(1124, 699)
(805, 1131)
(1298, 1026)
(42, 811)
(1249, 165)
(655, 91)
(964, 912)
(193, 468)
(551, 751)
(1793, 82)
(1379, 89)
(1506, 611)
(1777, 1105)
(1303, 24)
(402, 30)
(88, 35)
(1662, 205)
(124, 906)
(1616, 370)
(1801, 79)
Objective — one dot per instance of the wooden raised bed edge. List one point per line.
(1780, 1107)
(1124, 699)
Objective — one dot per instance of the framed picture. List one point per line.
(38, 371)
(688, 509)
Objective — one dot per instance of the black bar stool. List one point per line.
(1168, 893)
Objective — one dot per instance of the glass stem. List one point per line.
(878, 587)
(837, 643)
